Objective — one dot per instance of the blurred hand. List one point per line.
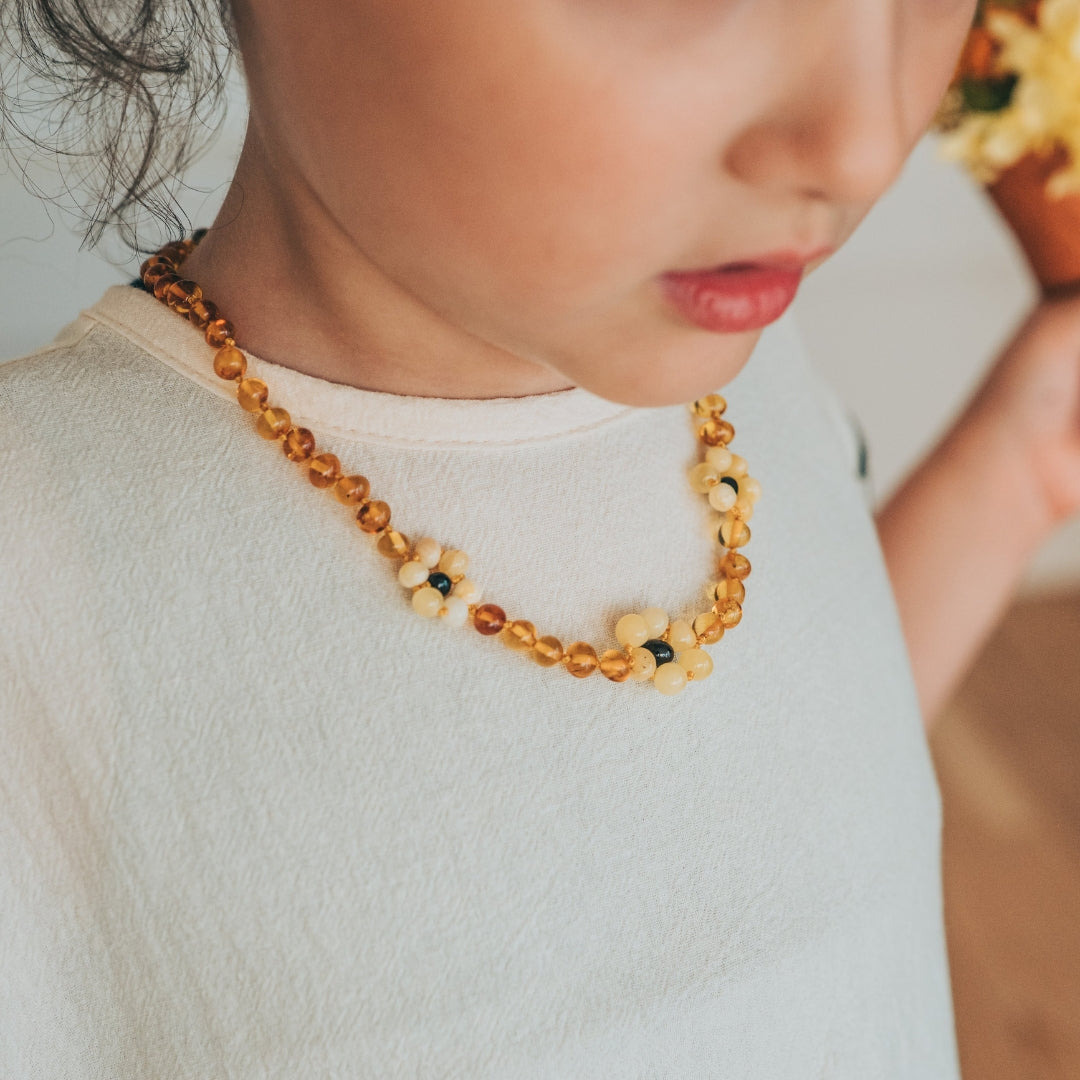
(1031, 398)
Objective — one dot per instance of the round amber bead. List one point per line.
(393, 545)
(734, 532)
(711, 405)
(708, 628)
(729, 588)
(519, 634)
(581, 659)
(175, 251)
(729, 611)
(716, 433)
(273, 423)
(324, 470)
(218, 333)
(299, 444)
(735, 565)
(181, 294)
(615, 665)
(547, 651)
(252, 394)
(373, 516)
(230, 363)
(351, 490)
(489, 619)
(164, 283)
(203, 313)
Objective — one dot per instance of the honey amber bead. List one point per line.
(164, 283)
(324, 470)
(219, 332)
(729, 588)
(710, 405)
(733, 532)
(547, 651)
(393, 545)
(519, 634)
(729, 612)
(489, 619)
(175, 251)
(708, 628)
(181, 294)
(252, 394)
(716, 433)
(352, 490)
(154, 260)
(229, 363)
(373, 516)
(735, 565)
(203, 313)
(299, 444)
(580, 659)
(615, 665)
(155, 273)
(273, 423)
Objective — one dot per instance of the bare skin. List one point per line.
(477, 199)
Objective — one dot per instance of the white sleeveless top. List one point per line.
(258, 818)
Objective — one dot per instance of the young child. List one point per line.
(270, 806)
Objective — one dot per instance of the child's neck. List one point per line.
(302, 294)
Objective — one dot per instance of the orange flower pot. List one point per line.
(1048, 229)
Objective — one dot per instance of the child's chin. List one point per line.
(675, 377)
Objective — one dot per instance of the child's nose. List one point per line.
(835, 128)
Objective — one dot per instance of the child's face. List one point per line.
(528, 168)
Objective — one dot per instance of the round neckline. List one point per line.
(350, 412)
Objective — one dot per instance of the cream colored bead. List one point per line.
(722, 497)
(427, 601)
(631, 630)
(737, 468)
(454, 563)
(745, 507)
(669, 678)
(468, 590)
(656, 620)
(681, 635)
(428, 551)
(695, 661)
(750, 487)
(455, 610)
(719, 457)
(412, 573)
(704, 476)
(642, 664)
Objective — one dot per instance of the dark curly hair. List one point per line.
(122, 94)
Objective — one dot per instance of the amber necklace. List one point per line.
(669, 653)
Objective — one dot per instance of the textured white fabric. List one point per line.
(260, 819)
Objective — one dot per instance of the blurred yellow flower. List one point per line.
(1044, 109)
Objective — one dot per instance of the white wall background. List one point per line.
(903, 320)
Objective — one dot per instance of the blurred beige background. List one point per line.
(903, 320)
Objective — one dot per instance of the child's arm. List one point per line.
(959, 532)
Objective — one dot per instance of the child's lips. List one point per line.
(736, 299)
